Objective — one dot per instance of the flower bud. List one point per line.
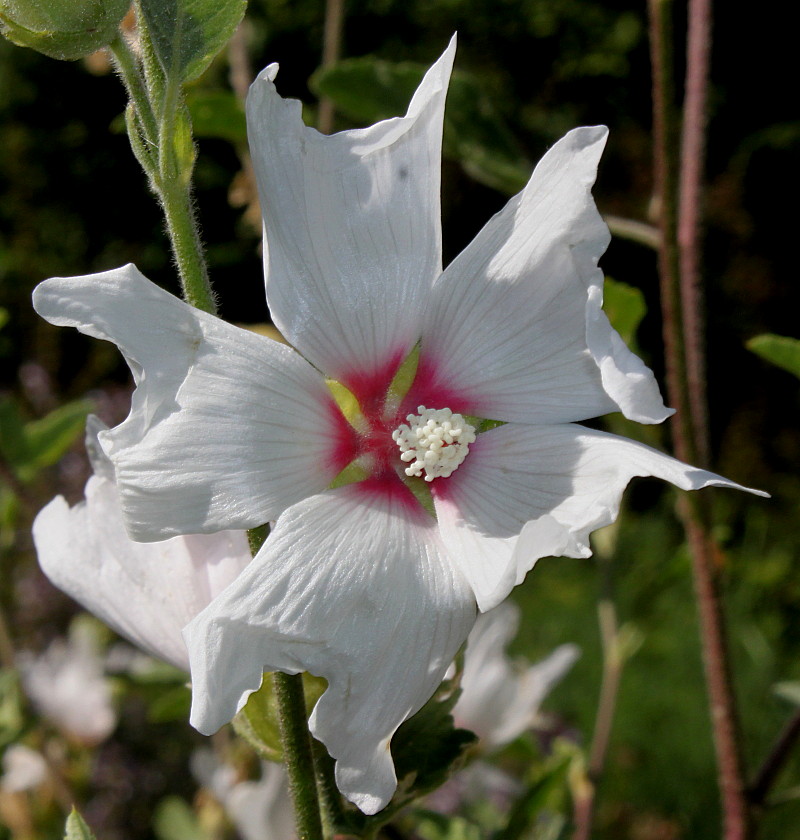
(65, 29)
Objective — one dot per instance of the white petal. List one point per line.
(352, 227)
(353, 586)
(498, 702)
(23, 769)
(515, 328)
(227, 428)
(526, 492)
(147, 592)
(67, 686)
(531, 688)
(263, 810)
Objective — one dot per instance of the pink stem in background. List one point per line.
(690, 213)
(331, 50)
(679, 267)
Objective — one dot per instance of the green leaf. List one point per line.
(11, 719)
(3, 317)
(625, 307)
(257, 722)
(63, 29)
(49, 438)
(369, 89)
(789, 691)
(187, 34)
(433, 826)
(174, 819)
(12, 432)
(170, 705)
(76, 828)
(778, 349)
(531, 807)
(30, 446)
(217, 113)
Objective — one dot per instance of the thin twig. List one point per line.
(241, 69)
(606, 707)
(690, 214)
(679, 267)
(331, 50)
(774, 762)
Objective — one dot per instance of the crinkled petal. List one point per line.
(526, 492)
(515, 331)
(147, 592)
(355, 586)
(227, 428)
(352, 228)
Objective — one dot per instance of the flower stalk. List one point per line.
(298, 755)
(678, 185)
(160, 136)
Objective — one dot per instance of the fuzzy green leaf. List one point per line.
(76, 828)
(63, 29)
(187, 34)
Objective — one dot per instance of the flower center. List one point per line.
(435, 441)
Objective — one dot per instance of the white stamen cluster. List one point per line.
(435, 440)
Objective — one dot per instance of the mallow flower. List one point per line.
(498, 700)
(374, 584)
(67, 686)
(148, 592)
(260, 809)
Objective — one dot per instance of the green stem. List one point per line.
(157, 105)
(297, 754)
(333, 815)
(131, 76)
(186, 245)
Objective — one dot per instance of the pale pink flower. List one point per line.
(499, 699)
(148, 592)
(67, 685)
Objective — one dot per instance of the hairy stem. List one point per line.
(333, 816)
(187, 248)
(156, 117)
(297, 754)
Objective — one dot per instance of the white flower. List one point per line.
(23, 769)
(67, 686)
(359, 583)
(148, 592)
(260, 810)
(498, 702)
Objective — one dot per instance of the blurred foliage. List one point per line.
(778, 349)
(76, 828)
(72, 201)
